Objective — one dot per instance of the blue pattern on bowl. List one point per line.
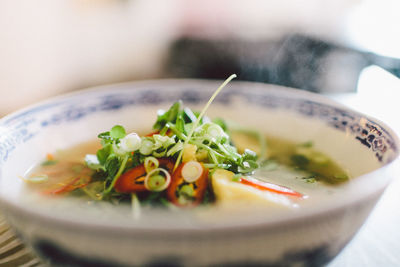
(24, 126)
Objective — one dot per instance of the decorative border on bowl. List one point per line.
(23, 126)
(367, 132)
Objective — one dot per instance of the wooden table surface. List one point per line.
(12, 250)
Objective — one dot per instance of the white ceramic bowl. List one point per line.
(309, 237)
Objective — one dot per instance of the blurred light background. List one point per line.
(48, 47)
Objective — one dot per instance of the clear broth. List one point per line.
(285, 165)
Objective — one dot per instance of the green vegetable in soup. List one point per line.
(305, 157)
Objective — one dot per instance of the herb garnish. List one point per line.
(175, 129)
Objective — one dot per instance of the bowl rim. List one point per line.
(282, 221)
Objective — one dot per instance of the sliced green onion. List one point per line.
(162, 141)
(130, 143)
(159, 154)
(192, 171)
(146, 147)
(215, 131)
(177, 132)
(155, 182)
(190, 114)
(177, 147)
(150, 163)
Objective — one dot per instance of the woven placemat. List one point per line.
(12, 251)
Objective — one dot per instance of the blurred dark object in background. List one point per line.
(296, 61)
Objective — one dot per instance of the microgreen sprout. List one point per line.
(202, 114)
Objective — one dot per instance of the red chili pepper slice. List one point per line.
(269, 187)
(167, 164)
(168, 133)
(76, 183)
(199, 186)
(152, 133)
(133, 180)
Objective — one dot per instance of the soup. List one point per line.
(288, 175)
(187, 161)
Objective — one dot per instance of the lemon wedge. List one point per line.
(229, 192)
